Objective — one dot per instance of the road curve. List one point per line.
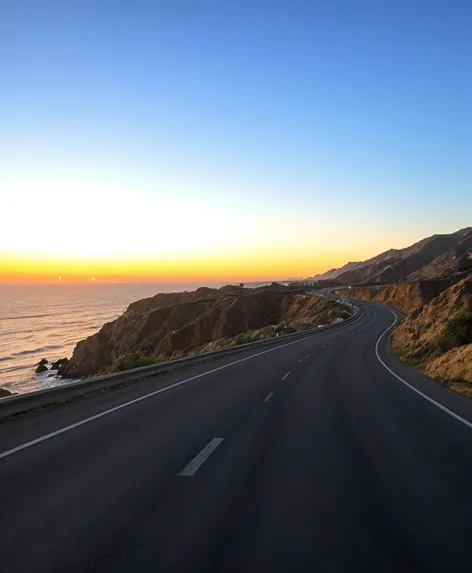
(326, 455)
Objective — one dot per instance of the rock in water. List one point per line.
(42, 362)
(58, 363)
(41, 368)
(62, 366)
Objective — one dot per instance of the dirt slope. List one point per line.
(421, 335)
(406, 297)
(169, 325)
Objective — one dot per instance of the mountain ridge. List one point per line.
(437, 256)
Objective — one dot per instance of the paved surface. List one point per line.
(308, 457)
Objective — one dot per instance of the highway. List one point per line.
(321, 454)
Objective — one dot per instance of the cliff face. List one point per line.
(455, 365)
(174, 324)
(406, 297)
(436, 334)
(426, 336)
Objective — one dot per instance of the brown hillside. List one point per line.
(420, 333)
(177, 323)
(406, 297)
(456, 260)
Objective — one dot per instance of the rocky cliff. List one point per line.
(172, 325)
(436, 333)
(438, 336)
(406, 297)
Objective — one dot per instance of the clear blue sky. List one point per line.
(340, 122)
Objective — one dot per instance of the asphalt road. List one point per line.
(309, 456)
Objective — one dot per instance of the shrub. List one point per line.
(288, 330)
(458, 330)
(242, 339)
(136, 360)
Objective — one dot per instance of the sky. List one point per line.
(178, 140)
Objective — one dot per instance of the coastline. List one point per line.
(47, 321)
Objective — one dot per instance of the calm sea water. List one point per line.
(46, 321)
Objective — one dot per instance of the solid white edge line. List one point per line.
(440, 406)
(268, 397)
(160, 391)
(126, 404)
(286, 376)
(191, 468)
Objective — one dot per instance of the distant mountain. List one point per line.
(334, 273)
(457, 259)
(439, 256)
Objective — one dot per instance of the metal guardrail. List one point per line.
(21, 403)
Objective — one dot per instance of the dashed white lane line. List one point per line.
(201, 458)
(286, 376)
(300, 361)
(307, 356)
(136, 400)
(268, 397)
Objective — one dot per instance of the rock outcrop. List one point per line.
(4, 393)
(62, 362)
(423, 336)
(406, 297)
(436, 334)
(175, 324)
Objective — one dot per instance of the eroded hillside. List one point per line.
(406, 297)
(172, 325)
(438, 337)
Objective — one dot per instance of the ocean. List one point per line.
(47, 320)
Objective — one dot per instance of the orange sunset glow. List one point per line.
(265, 266)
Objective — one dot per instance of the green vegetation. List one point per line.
(285, 330)
(458, 331)
(457, 384)
(243, 339)
(344, 306)
(137, 360)
(344, 314)
(416, 359)
(247, 337)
